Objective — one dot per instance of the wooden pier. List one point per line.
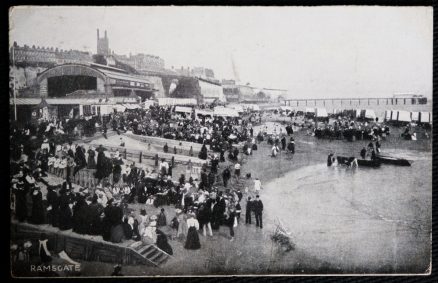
(357, 101)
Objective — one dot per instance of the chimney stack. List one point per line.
(97, 33)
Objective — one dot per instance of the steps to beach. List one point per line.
(150, 253)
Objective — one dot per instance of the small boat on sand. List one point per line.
(385, 159)
(361, 162)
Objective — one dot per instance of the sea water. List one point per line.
(360, 220)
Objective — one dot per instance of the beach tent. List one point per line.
(388, 115)
(204, 112)
(357, 112)
(310, 110)
(131, 106)
(415, 116)
(404, 116)
(394, 115)
(270, 108)
(251, 107)
(238, 108)
(119, 108)
(182, 109)
(165, 101)
(368, 114)
(148, 103)
(105, 109)
(225, 112)
(425, 117)
(321, 112)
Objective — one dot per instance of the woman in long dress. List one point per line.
(192, 241)
(162, 242)
(37, 207)
(91, 160)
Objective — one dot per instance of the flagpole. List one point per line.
(15, 96)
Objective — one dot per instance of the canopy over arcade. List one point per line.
(62, 80)
(73, 89)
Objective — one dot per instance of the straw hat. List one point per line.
(178, 211)
(153, 217)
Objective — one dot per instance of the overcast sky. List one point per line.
(311, 51)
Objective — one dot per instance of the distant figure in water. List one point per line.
(363, 153)
(352, 162)
(274, 151)
(330, 159)
(373, 155)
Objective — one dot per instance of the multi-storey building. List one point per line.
(52, 56)
(142, 62)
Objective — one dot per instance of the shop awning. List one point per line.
(204, 112)
(225, 112)
(183, 109)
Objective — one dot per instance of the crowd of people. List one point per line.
(37, 151)
(349, 129)
(218, 133)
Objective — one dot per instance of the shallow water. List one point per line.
(360, 220)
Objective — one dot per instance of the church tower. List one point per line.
(102, 44)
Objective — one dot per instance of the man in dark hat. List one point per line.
(249, 209)
(165, 148)
(38, 213)
(53, 206)
(226, 175)
(258, 209)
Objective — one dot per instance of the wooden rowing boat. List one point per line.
(394, 160)
(361, 162)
